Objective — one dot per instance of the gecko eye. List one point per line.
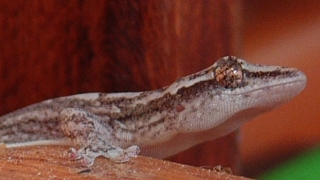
(228, 73)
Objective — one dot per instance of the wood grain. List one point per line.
(55, 48)
(46, 162)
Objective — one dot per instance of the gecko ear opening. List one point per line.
(228, 72)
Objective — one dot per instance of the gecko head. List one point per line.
(234, 90)
(263, 84)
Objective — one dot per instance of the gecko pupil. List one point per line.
(228, 73)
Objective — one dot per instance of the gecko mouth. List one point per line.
(292, 85)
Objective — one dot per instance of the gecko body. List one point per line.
(159, 123)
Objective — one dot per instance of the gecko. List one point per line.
(159, 123)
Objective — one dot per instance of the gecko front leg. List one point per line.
(85, 131)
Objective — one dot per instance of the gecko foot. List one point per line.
(115, 154)
(86, 131)
(73, 154)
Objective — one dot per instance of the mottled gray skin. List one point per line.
(194, 109)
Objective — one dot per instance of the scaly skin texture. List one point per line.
(196, 108)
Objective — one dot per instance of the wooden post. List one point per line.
(52, 48)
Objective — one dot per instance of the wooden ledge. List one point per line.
(42, 162)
